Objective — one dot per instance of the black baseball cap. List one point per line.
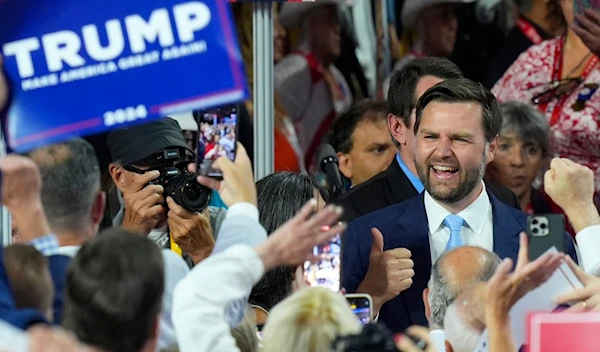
(135, 143)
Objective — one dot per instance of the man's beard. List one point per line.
(469, 178)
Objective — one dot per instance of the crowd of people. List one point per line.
(441, 172)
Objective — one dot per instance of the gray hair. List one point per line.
(527, 123)
(443, 291)
(461, 336)
(70, 182)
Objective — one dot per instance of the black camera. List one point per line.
(181, 185)
(373, 338)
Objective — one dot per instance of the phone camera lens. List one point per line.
(535, 230)
(535, 221)
(543, 226)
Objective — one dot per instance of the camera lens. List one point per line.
(186, 192)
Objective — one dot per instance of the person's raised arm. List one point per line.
(505, 289)
(571, 186)
(21, 195)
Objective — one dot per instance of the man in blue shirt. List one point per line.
(400, 181)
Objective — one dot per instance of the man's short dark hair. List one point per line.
(401, 95)
(464, 90)
(343, 127)
(70, 182)
(114, 291)
(29, 277)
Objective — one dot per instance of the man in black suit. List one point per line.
(400, 181)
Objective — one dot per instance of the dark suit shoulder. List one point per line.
(503, 194)
(364, 198)
(365, 189)
(387, 217)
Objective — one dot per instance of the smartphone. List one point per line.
(580, 5)
(545, 231)
(217, 136)
(362, 306)
(326, 268)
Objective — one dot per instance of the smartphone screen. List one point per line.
(217, 136)
(361, 306)
(325, 270)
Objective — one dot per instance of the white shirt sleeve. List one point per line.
(588, 241)
(245, 209)
(201, 297)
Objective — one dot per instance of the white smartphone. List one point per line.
(362, 306)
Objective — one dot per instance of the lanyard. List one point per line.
(556, 76)
(529, 31)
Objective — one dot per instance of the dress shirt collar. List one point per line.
(414, 179)
(473, 214)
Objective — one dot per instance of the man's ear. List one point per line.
(118, 175)
(426, 302)
(345, 163)
(397, 129)
(448, 346)
(98, 208)
(491, 152)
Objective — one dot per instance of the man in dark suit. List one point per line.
(400, 182)
(456, 136)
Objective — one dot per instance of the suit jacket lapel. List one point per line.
(506, 230)
(414, 230)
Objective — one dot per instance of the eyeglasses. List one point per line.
(556, 89)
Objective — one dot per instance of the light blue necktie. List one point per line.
(455, 224)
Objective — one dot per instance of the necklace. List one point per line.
(585, 58)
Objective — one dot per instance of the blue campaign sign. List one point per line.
(78, 67)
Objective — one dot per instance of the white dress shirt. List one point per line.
(588, 242)
(478, 229)
(438, 337)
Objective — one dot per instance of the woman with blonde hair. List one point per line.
(309, 320)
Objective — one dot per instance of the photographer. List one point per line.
(158, 197)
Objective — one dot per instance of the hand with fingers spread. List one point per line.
(21, 194)
(405, 344)
(144, 204)
(237, 185)
(583, 299)
(571, 186)
(505, 289)
(587, 28)
(292, 243)
(390, 272)
(191, 231)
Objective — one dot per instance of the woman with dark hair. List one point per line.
(561, 77)
(280, 197)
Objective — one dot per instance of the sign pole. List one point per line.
(264, 117)
(4, 214)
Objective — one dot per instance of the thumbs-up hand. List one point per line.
(389, 273)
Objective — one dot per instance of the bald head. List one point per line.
(455, 271)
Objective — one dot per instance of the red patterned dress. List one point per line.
(574, 117)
